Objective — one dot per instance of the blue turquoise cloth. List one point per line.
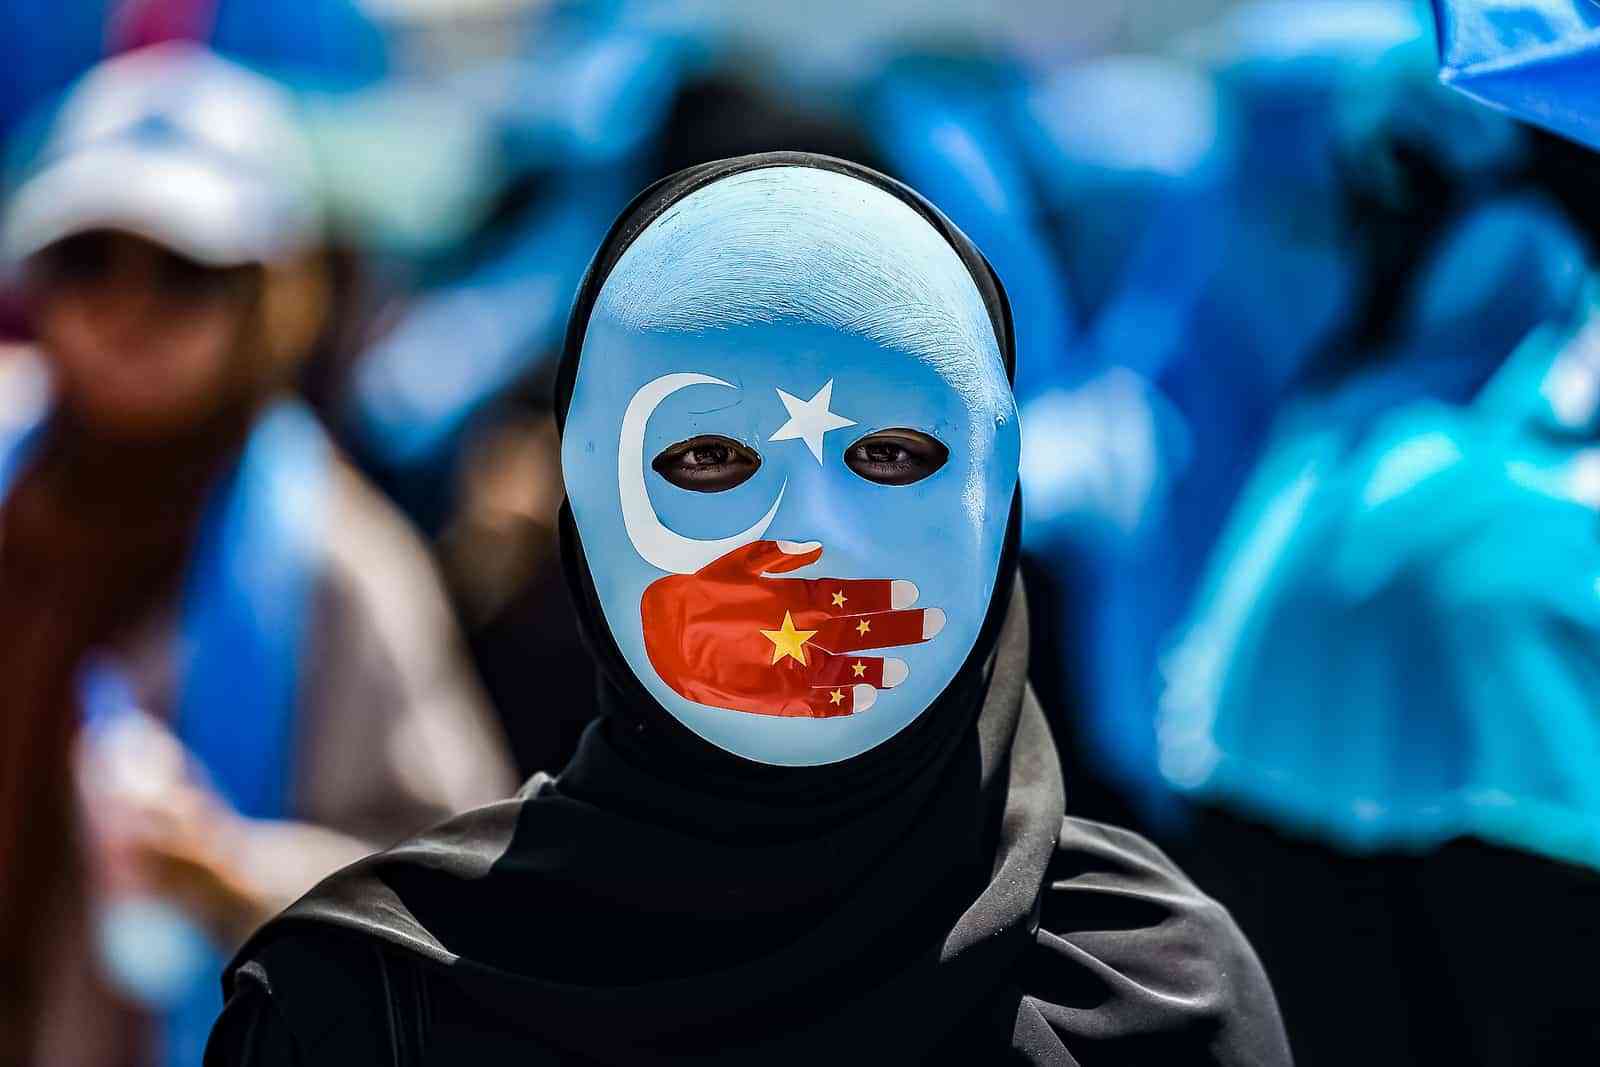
(590, 89)
(943, 125)
(1140, 190)
(466, 343)
(328, 44)
(1231, 268)
(1398, 641)
(580, 111)
(246, 604)
(1207, 279)
(1536, 59)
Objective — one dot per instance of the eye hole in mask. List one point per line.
(709, 463)
(896, 457)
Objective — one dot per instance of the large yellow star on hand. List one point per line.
(787, 641)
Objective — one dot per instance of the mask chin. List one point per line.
(625, 699)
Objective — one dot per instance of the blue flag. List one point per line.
(1535, 59)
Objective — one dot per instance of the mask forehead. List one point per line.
(848, 317)
(810, 247)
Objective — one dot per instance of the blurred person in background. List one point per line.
(837, 834)
(328, 46)
(233, 646)
(1386, 695)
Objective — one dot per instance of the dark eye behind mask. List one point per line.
(896, 457)
(709, 463)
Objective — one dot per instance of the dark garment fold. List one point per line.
(1483, 950)
(593, 922)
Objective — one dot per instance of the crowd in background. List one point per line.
(1309, 380)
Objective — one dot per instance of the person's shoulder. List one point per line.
(24, 396)
(1133, 890)
(373, 553)
(311, 995)
(1131, 955)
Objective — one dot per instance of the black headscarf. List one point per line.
(662, 900)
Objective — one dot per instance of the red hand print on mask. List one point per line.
(731, 637)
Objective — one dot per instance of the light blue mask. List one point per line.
(808, 614)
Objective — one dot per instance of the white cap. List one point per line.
(180, 146)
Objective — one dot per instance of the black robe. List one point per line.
(663, 901)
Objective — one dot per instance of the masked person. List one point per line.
(243, 646)
(821, 813)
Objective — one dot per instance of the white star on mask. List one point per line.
(810, 419)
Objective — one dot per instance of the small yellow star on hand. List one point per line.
(787, 641)
(863, 627)
(837, 696)
(860, 669)
(839, 598)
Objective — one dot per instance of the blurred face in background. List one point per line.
(145, 342)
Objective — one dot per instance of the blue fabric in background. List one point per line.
(584, 95)
(320, 43)
(1130, 154)
(1535, 59)
(1134, 156)
(942, 125)
(62, 41)
(247, 604)
(579, 114)
(1197, 211)
(465, 343)
(1397, 641)
(1209, 279)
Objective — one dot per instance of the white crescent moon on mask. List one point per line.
(660, 547)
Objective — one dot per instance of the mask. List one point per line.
(790, 453)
